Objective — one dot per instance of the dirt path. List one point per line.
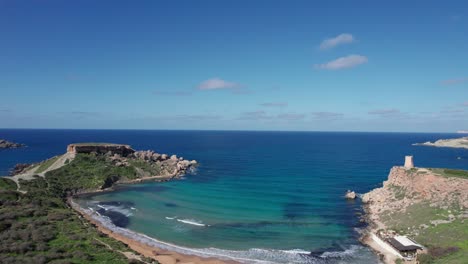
(29, 174)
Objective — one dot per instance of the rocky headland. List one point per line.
(4, 144)
(448, 143)
(427, 205)
(37, 220)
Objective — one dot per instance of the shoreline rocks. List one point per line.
(4, 144)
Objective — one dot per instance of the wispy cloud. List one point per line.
(456, 17)
(172, 93)
(327, 115)
(349, 61)
(275, 104)
(196, 117)
(454, 81)
(341, 39)
(216, 84)
(453, 111)
(255, 115)
(290, 116)
(262, 115)
(389, 111)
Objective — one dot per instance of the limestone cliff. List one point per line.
(408, 186)
(428, 205)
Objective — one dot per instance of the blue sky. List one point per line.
(235, 65)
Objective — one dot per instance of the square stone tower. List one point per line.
(409, 162)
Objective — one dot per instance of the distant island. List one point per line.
(462, 131)
(419, 213)
(449, 143)
(39, 224)
(4, 144)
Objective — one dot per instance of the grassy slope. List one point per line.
(46, 164)
(447, 243)
(38, 227)
(451, 173)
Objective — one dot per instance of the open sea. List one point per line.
(258, 197)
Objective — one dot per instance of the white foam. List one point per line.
(119, 209)
(170, 218)
(338, 254)
(191, 222)
(296, 251)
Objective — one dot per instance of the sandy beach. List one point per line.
(162, 255)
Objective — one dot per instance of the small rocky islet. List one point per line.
(5, 144)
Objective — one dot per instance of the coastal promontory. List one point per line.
(37, 222)
(419, 214)
(449, 143)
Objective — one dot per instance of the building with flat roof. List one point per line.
(406, 246)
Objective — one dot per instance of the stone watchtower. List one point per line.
(409, 162)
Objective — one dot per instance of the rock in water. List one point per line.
(7, 144)
(350, 195)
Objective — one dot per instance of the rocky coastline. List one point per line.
(448, 143)
(4, 144)
(413, 202)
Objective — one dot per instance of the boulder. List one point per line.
(350, 195)
(164, 157)
(174, 157)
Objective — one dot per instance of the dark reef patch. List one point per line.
(294, 210)
(118, 203)
(117, 218)
(170, 204)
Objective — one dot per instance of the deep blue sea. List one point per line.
(275, 196)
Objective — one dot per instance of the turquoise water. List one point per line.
(275, 196)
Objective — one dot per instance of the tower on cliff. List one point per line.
(409, 162)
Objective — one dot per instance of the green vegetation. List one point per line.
(399, 191)
(7, 184)
(39, 227)
(447, 242)
(451, 173)
(46, 164)
(88, 172)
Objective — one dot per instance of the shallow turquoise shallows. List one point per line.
(275, 196)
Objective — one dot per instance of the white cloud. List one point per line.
(327, 115)
(391, 111)
(349, 61)
(341, 39)
(454, 81)
(216, 83)
(275, 104)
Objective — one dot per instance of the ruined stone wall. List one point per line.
(123, 150)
